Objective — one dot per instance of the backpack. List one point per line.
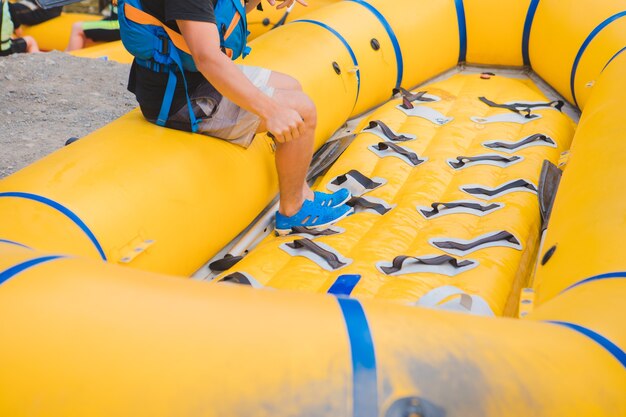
(159, 48)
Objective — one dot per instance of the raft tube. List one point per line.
(54, 34)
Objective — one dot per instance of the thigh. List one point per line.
(281, 81)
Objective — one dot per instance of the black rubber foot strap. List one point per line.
(389, 134)
(510, 186)
(411, 156)
(538, 137)
(464, 247)
(399, 262)
(462, 160)
(361, 202)
(439, 207)
(367, 183)
(329, 257)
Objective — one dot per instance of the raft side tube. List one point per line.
(326, 357)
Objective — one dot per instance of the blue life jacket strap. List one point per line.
(171, 88)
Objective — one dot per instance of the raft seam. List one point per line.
(364, 374)
(16, 269)
(584, 46)
(609, 346)
(12, 242)
(609, 275)
(460, 15)
(528, 24)
(613, 57)
(392, 37)
(63, 210)
(348, 47)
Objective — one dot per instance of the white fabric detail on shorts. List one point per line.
(229, 121)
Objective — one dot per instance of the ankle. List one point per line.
(291, 208)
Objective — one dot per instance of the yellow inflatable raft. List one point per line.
(54, 34)
(454, 179)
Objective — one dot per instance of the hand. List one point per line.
(286, 3)
(284, 124)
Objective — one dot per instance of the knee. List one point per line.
(284, 82)
(308, 111)
(294, 84)
(77, 28)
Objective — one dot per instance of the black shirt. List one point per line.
(149, 86)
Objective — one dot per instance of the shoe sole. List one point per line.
(285, 232)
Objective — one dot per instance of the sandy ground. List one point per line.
(49, 97)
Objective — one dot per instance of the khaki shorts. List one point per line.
(222, 118)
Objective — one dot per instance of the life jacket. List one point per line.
(159, 48)
(6, 26)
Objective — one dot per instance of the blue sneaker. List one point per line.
(335, 199)
(311, 216)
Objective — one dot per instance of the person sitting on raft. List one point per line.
(235, 102)
(8, 44)
(88, 33)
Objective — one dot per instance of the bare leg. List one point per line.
(293, 158)
(282, 81)
(31, 44)
(77, 37)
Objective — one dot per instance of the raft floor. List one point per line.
(456, 208)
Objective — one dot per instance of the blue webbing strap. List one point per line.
(171, 88)
(344, 284)
(363, 355)
(16, 269)
(460, 14)
(392, 37)
(610, 275)
(584, 46)
(607, 344)
(348, 48)
(63, 210)
(530, 17)
(167, 98)
(618, 53)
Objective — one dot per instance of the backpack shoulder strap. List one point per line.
(139, 16)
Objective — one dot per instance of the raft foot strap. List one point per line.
(382, 130)
(439, 209)
(490, 159)
(323, 255)
(440, 298)
(357, 183)
(434, 264)
(424, 112)
(488, 193)
(240, 278)
(369, 204)
(384, 149)
(538, 139)
(461, 247)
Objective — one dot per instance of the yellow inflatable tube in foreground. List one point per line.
(135, 343)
